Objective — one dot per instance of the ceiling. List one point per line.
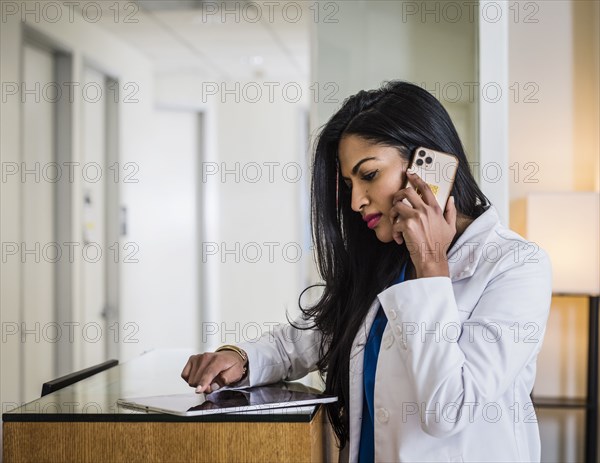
(227, 40)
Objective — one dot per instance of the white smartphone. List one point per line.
(437, 169)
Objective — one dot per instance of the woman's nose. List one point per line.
(359, 199)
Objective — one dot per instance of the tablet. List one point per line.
(227, 401)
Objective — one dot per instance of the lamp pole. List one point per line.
(591, 415)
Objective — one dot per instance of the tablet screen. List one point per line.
(227, 401)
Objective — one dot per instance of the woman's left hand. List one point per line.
(424, 227)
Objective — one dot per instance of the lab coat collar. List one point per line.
(466, 253)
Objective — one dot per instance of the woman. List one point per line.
(431, 320)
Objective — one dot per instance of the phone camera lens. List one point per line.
(419, 162)
(428, 160)
(421, 153)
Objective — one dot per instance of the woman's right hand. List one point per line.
(212, 370)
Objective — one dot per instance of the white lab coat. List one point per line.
(457, 360)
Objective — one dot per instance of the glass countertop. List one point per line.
(153, 373)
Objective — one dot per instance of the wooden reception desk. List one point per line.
(83, 423)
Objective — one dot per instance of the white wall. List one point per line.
(266, 211)
(540, 57)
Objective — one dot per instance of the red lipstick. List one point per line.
(372, 220)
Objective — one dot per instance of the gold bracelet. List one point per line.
(241, 352)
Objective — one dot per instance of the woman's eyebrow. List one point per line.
(355, 168)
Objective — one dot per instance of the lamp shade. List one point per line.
(567, 226)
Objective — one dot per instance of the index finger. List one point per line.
(208, 375)
(424, 189)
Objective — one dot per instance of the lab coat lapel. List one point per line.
(357, 354)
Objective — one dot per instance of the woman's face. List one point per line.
(374, 173)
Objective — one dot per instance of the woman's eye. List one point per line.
(370, 175)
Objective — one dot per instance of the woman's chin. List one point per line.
(385, 236)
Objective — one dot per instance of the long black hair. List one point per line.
(354, 265)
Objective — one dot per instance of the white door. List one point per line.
(161, 290)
